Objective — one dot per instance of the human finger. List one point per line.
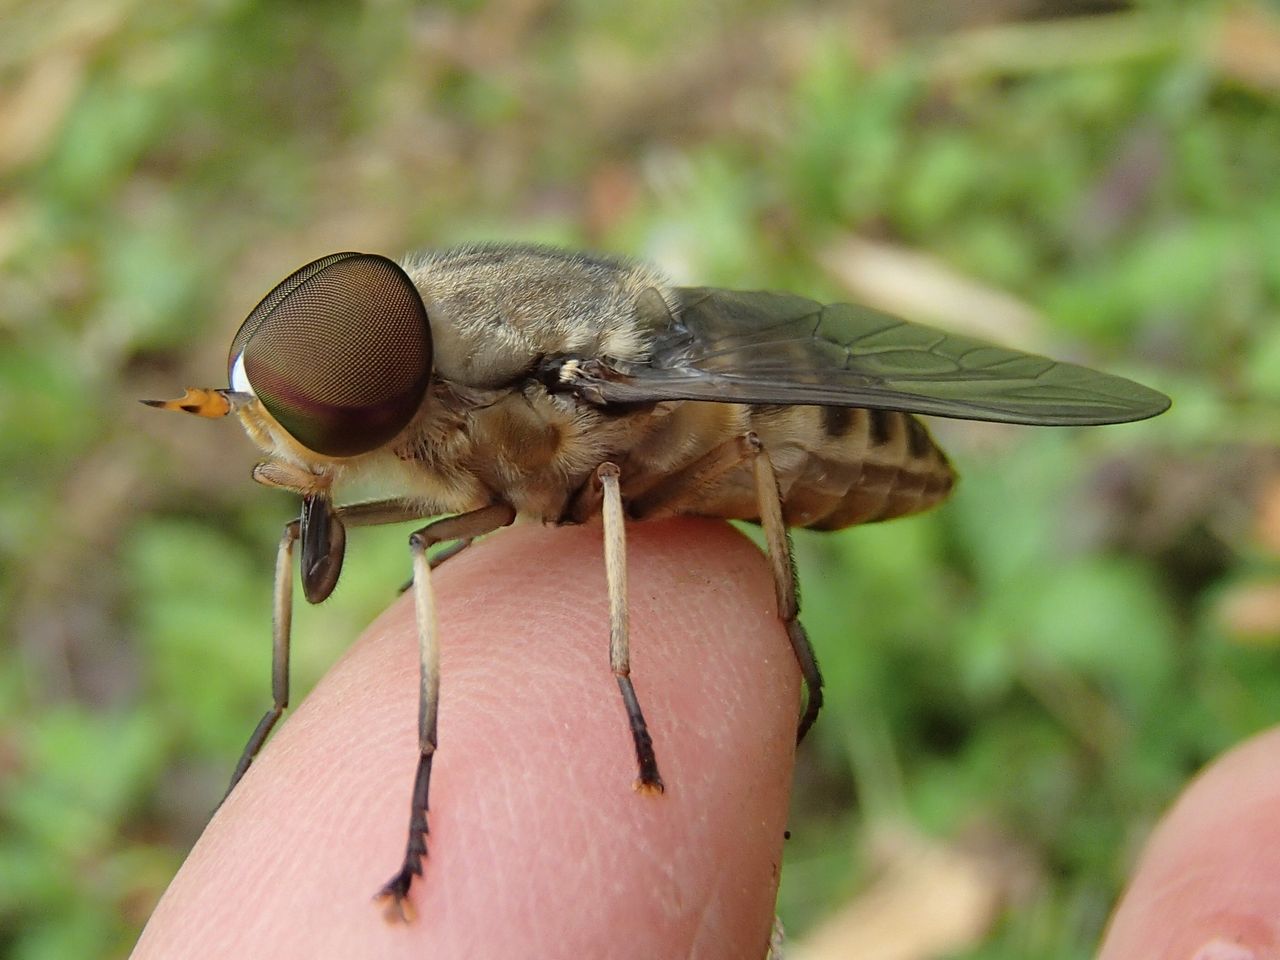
(538, 844)
(1208, 884)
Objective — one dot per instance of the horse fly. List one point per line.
(488, 382)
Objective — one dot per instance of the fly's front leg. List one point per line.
(615, 566)
(322, 529)
(449, 552)
(438, 558)
(281, 626)
(464, 527)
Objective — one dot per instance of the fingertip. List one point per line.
(1207, 886)
(538, 844)
(719, 688)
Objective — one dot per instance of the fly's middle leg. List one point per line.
(464, 527)
(615, 565)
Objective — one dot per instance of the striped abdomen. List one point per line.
(858, 465)
(836, 466)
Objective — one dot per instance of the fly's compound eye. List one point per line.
(339, 353)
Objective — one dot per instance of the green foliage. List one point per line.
(1046, 657)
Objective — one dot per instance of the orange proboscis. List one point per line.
(202, 401)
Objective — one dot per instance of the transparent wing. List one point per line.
(758, 347)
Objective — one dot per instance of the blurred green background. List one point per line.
(1018, 683)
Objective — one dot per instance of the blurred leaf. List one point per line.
(1103, 618)
(90, 769)
(195, 590)
(1047, 653)
(1263, 366)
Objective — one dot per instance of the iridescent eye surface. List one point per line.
(339, 353)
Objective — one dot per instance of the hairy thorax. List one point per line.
(489, 431)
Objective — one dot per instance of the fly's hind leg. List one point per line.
(783, 562)
(682, 489)
(464, 527)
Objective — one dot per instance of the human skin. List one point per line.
(1207, 887)
(538, 845)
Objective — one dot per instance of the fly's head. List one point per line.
(332, 365)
